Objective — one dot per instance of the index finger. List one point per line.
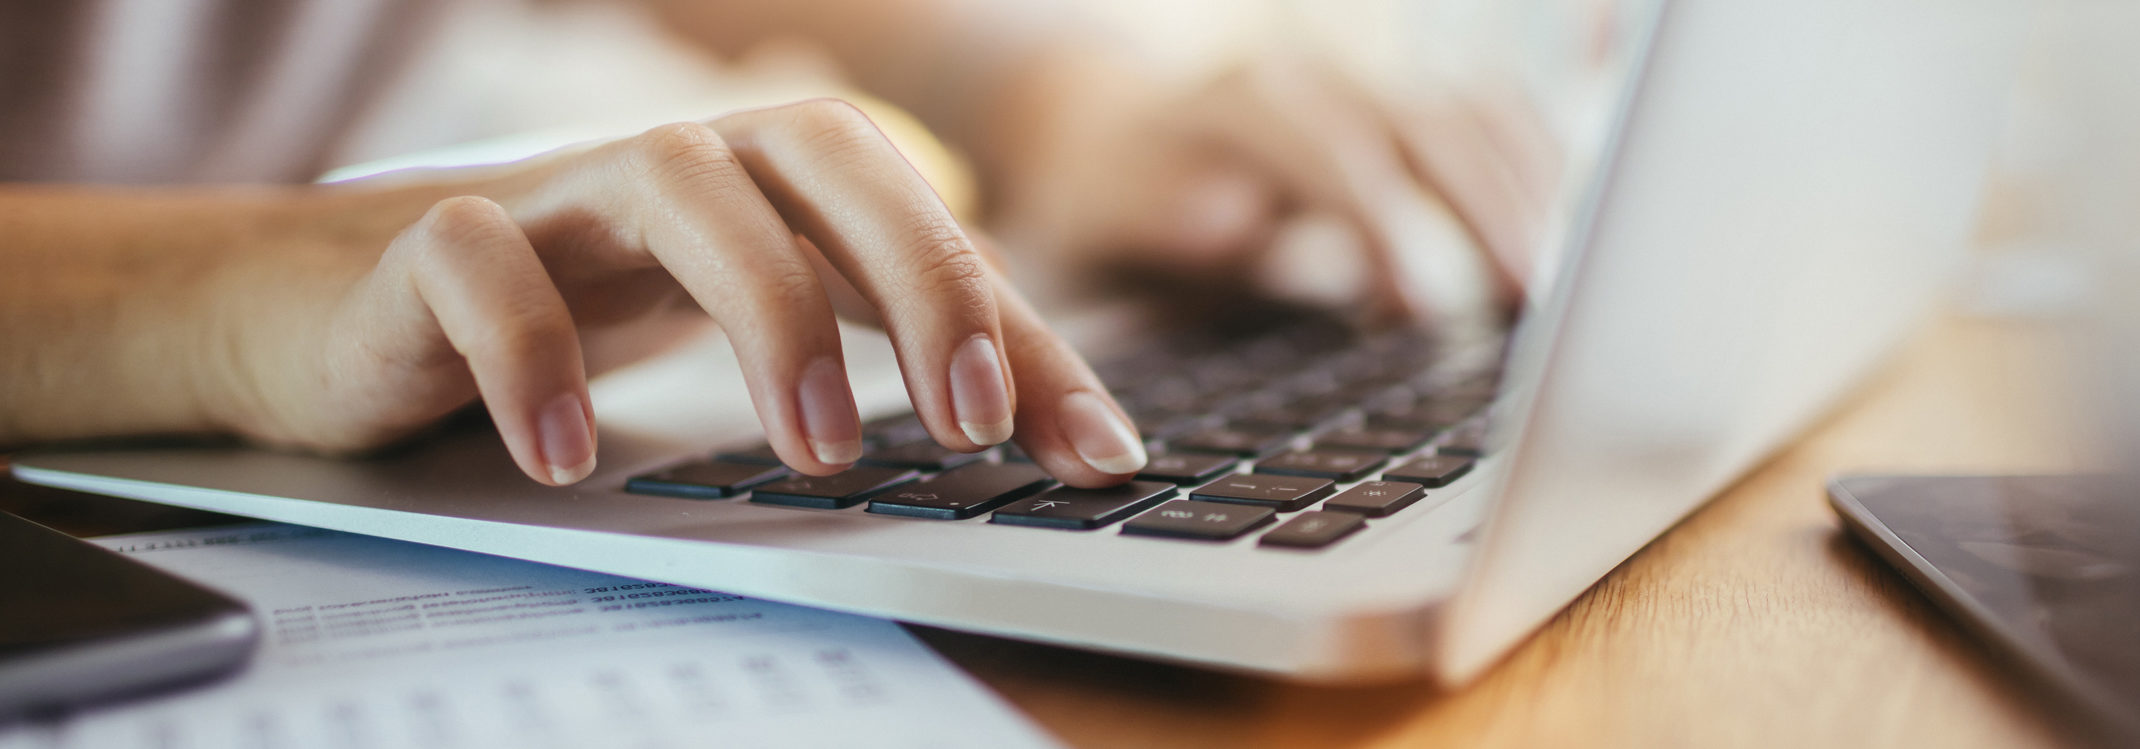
(839, 182)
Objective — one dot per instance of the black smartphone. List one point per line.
(2044, 569)
(79, 623)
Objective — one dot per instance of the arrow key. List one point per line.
(920, 456)
(709, 479)
(1200, 521)
(1186, 468)
(1377, 498)
(963, 492)
(1338, 465)
(838, 491)
(1283, 493)
(1314, 530)
(1083, 509)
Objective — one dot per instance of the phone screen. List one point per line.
(2048, 567)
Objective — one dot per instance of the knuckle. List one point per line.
(688, 153)
(789, 286)
(468, 221)
(828, 113)
(835, 130)
(945, 264)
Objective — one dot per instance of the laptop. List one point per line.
(1784, 184)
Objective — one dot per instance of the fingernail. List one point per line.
(567, 440)
(979, 397)
(828, 413)
(1103, 439)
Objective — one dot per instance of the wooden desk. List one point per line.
(1757, 622)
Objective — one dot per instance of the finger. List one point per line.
(470, 266)
(840, 182)
(1453, 150)
(847, 302)
(1512, 120)
(1485, 169)
(1340, 159)
(1067, 421)
(1085, 440)
(705, 222)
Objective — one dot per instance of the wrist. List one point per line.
(258, 328)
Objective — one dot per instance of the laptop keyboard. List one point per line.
(1303, 433)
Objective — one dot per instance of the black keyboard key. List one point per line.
(963, 492)
(1311, 383)
(1431, 472)
(1460, 447)
(1377, 498)
(894, 430)
(708, 479)
(1171, 394)
(1410, 423)
(1163, 425)
(1202, 521)
(1475, 392)
(1314, 530)
(1337, 465)
(1186, 468)
(1083, 509)
(1375, 394)
(921, 456)
(838, 491)
(1285, 493)
(1293, 417)
(761, 454)
(1375, 438)
(1248, 442)
(1235, 404)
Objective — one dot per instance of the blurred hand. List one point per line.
(1200, 181)
(767, 220)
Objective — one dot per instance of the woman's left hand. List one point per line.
(1200, 181)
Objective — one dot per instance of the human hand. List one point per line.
(1200, 181)
(765, 219)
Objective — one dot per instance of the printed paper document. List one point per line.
(377, 643)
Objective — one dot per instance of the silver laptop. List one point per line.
(1784, 184)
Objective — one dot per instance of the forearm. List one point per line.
(113, 301)
(989, 77)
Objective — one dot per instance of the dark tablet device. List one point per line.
(79, 623)
(2045, 569)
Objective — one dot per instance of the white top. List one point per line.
(160, 91)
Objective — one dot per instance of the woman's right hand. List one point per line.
(765, 219)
